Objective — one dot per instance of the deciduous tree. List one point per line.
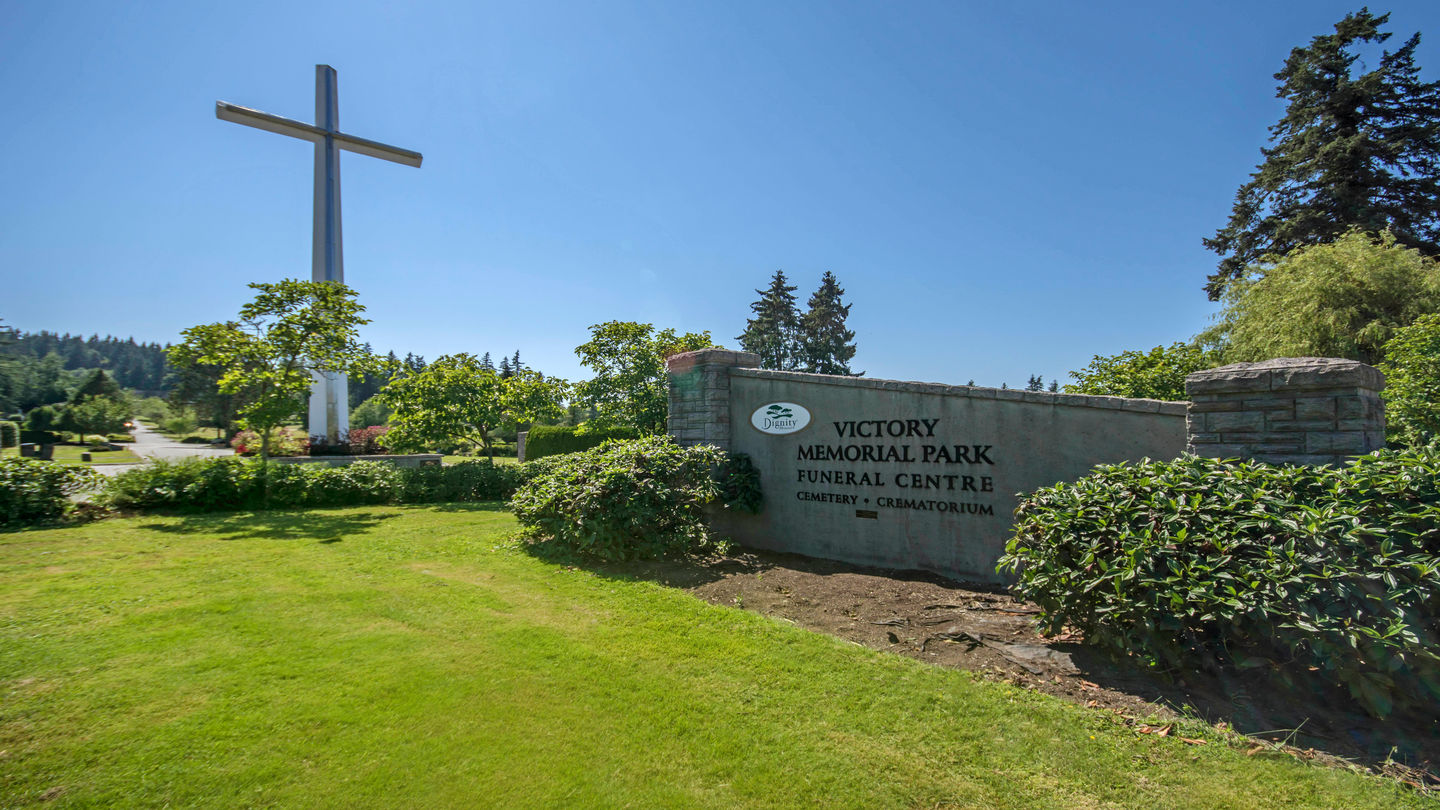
(629, 363)
(1338, 300)
(457, 400)
(291, 331)
(1157, 374)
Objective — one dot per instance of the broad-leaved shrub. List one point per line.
(635, 499)
(1330, 572)
(34, 491)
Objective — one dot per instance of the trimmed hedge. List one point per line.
(9, 434)
(554, 440)
(1303, 572)
(40, 437)
(222, 484)
(35, 491)
(623, 500)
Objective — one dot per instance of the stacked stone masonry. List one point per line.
(1294, 410)
(700, 395)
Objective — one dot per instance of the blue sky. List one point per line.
(1003, 189)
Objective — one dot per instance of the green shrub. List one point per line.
(223, 484)
(1200, 562)
(178, 425)
(466, 481)
(623, 500)
(554, 440)
(9, 434)
(740, 484)
(1412, 383)
(34, 491)
(121, 438)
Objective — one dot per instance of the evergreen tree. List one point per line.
(1035, 383)
(505, 371)
(515, 365)
(826, 345)
(486, 363)
(1054, 386)
(773, 332)
(98, 384)
(1352, 151)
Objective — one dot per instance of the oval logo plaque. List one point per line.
(779, 418)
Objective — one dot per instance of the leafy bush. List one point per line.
(283, 442)
(33, 491)
(623, 500)
(121, 438)
(553, 440)
(740, 484)
(466, 481)
(9, 434)
(1412, 383)
(1157, 374)
(44, 418)
(222, 484)
(177, 425)
(1200, 562)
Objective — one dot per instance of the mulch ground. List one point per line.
(983, 629)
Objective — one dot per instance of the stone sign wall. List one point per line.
(900, 474)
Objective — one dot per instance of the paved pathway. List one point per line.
(150, 444)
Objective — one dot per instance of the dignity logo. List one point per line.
(779, 418)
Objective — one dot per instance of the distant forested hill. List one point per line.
(133, 365)
(41, 368)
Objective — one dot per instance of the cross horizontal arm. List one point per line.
(236, 114)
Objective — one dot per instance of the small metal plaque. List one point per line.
(869, 514)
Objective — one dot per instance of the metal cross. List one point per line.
(329, 397)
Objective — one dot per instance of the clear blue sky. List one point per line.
(1003, 189)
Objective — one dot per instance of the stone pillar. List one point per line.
(1293, 410)
(520, 446)
(700, 395)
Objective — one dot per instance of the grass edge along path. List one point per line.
(411, 656)
(70, 454)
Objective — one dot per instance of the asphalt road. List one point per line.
(150, 444)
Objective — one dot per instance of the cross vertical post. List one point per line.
(329, 396)
(330, 393)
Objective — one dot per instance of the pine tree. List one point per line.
(1035, 383)
(486, 363)
(826, 346)
(773, 331)
(505, 371)
(1352, 151)
(515, 365)
(1054, 386)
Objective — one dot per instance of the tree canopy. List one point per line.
(1343, 299)
(1157, 374)
(458, 400)
(1412, 382)
(1353, 150)
(826, 345)
(628, 359)
(774, 332)
(292, 330)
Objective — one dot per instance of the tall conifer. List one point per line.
(773, 332)
(826, 346)
(1352, 151)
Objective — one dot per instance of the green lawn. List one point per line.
(70, 454)
(410, 657)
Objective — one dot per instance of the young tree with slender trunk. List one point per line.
(290, 332)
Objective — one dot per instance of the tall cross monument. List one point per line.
(329, 395)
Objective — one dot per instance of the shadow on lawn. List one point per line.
(321, 526)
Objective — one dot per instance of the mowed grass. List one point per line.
(412, 657)
(71, 454)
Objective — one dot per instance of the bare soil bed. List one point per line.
(983, 629)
